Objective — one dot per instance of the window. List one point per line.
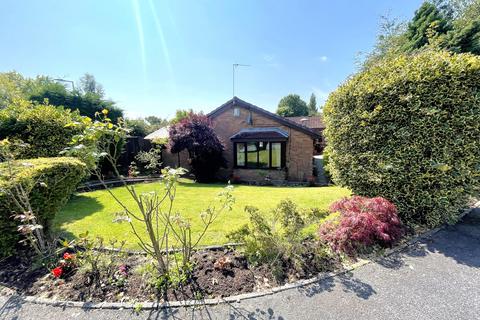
(240, 155)
(259, 155)
(236, 112)
(276, 154)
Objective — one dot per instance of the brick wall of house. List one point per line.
(299, 147)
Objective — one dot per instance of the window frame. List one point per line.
(258, 167)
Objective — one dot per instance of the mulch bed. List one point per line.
(218, 273)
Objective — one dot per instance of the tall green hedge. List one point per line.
(42, 126)
(60, 177)
(408, 129)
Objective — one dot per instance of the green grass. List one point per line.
(94, 211)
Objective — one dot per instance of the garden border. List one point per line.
(235, 298)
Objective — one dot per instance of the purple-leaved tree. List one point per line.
(196, 135)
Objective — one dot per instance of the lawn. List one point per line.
(94, 211)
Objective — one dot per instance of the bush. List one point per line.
(362, 222)
(195, 134)
(278, 240)
(408, 129)
(52, 181)
(41, 126)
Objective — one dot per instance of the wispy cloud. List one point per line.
(322, 58)
(271, 60)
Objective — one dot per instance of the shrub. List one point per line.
(195, 134)
(408, 130)
(51, 180)
(41, 126)
(362, 222)
(277, 240)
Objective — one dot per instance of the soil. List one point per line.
(217, 273)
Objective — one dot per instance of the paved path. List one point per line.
(437, 279)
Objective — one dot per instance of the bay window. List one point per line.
(259, 155)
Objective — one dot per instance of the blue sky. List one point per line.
(154, 57)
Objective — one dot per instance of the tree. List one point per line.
(292, 106)
(452, 25)
(11, 84)
(14, 86)
(429, 22)
(137, 127)
(195, 134)
(466, 38)
(88, 84)
(157, 122)
(312, 105)
(181, 114)
(144, 126)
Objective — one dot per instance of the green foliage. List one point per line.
(452, 25)
(144, 126)
(138, 127)
(149, 162)
(102, 267)
(42, 127)
(292, 106)
(99, 142)
(408, 130)
(466, 38)
(87, 104)
(277, 239)
(88, 84)
(51, 181)
(428, 21)
(88, 100)
(312, 105)
(181, 114)
(11, 84)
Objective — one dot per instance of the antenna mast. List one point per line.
(234, 66)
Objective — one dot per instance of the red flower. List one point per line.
(57, 272)
(68, 256)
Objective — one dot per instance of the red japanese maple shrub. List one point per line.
(362, 222)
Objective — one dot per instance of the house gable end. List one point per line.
(236, 102)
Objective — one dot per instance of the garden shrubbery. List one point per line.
(278, 240)
(362, 222)
(42, 127)
(50, 182)
(408, 130)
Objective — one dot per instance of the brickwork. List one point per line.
(299, 146)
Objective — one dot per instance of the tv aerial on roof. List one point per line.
(234, 67)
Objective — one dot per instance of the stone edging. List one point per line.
(236, 298)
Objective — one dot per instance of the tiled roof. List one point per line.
(313, 122)
(260, 133)
(158, 134)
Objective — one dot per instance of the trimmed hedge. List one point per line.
(408, 129)
(61, 177)
(42, 126)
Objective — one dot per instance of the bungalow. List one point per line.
(261, 145)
